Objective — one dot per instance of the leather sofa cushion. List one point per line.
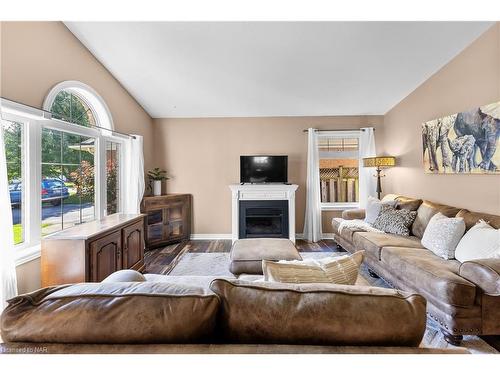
(335, 224)
(373, 242)
(353, 214)
(47, 348)
(425, 213)
(485, 273)
(112, 313)
(430, 275)
(247, 254)
(408, 203)
(347, 233)
(194, 281)
(471, 218)
(318, 314)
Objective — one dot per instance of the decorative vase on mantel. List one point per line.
(156, 187)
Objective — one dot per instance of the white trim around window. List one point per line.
(34, 121)
(95, 102)
(339, 206)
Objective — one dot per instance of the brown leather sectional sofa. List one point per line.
(464, 298)
(203, 315)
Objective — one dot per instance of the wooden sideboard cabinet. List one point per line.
(168, 219)
(92, 251)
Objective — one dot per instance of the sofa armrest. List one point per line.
(485, 273)
(353, 214)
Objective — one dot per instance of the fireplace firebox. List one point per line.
(263, 219)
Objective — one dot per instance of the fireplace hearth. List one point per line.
(263, 219)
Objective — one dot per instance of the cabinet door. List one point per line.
(133, 245)
(176, 219)
(105, 256)
(155, 226)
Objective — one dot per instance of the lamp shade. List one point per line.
(379, 161)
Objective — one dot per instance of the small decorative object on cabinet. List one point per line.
(168, 219)
(90, 252)
(157, 176)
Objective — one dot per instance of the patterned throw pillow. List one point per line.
(335, 270)
(391, 220)
(373, 208)
(443, 234)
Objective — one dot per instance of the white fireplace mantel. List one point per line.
(254, 192)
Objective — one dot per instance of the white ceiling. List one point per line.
(222, 69)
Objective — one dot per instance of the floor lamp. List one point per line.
(379, 162)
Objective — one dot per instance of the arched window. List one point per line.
(71, 108)
(78, 103)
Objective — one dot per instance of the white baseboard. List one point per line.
(210, 236)
(227, 236)
(326, 236)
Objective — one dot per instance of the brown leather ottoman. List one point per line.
(247, 254)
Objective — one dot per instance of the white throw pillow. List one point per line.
(482, 241)
(373, 206)
(443, 234)
(336, 270)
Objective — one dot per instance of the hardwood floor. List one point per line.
(162, 259)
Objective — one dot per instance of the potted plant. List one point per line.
(157, 175)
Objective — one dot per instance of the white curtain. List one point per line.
(312, 221)
(367, 182)
(8, 286)
(134, 175)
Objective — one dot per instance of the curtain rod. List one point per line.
(336, 130)
(49, 116)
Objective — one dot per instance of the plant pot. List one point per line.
(157, 187)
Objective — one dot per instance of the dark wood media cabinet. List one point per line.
(168, 219)
(90, 252)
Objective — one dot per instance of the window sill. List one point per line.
(28, 254)
(339, 206)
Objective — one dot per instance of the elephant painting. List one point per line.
(467, 142)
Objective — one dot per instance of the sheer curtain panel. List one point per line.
(133, 175)
(367, 185)
(312, 221)
(8, 287)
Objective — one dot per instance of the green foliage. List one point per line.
(71, 108)
(157, 174)
(83, 178)
(13, 151)
(112, 185)
(18, 233)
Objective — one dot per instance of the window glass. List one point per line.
(13, 140)
(112, 177)
(67, 180)
(338, 169)
(71, 108)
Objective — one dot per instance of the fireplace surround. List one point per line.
(263, 211)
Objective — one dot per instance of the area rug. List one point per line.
(217, 264)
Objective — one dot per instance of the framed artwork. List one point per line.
(466, 142)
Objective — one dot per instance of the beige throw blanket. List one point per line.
(357, 225)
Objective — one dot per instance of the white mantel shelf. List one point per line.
(260, 192)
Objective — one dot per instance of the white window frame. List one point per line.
(34, 120)
(338, 206)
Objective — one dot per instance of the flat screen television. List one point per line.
(264, 169)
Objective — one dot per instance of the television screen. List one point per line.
(263, 169)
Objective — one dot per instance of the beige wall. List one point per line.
(470, 80)
(202, 156)
(34, 57)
